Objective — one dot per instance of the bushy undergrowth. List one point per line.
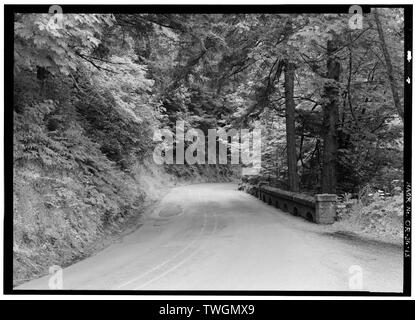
(67, 194)
(375, 215)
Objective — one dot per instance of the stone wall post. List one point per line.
(325, 208)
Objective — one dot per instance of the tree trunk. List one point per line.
(389, 69)
(293, 181)
(330, 120)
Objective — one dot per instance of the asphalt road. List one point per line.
(214, 237)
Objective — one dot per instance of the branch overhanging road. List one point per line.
(213, 237)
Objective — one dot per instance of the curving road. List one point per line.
(213, 237)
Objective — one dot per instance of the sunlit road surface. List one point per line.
(214, 237)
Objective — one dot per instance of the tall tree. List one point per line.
(330, 118)
(389, 68)
(293, 181)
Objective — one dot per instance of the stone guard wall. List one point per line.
(320, 209)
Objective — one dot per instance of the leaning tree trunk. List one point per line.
(330, 120)
(293, 181)
(389, 69)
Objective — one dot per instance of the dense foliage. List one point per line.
(90, 92)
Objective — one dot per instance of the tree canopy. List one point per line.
(230, 71)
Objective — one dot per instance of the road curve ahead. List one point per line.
(214, 237)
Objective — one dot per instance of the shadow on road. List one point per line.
(355, 239)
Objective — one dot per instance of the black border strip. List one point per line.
(408, 16)
(264, 309)
(205, 293)
(8, 150)
(9, 11)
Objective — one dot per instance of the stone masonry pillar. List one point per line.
(325, 208)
